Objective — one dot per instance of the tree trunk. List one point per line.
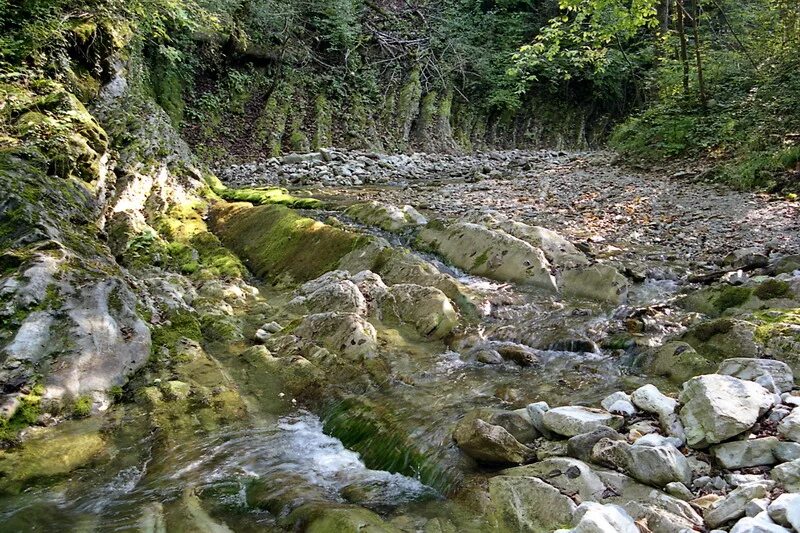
(684, 55)
(698, 56)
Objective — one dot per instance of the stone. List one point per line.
(757, 525)
(602, 283)
(516, 422)
(580, 446)
(753, 369)
(339, 296)
(575, 420)
(492, 444)
(428, 309)
(346, 333)
(491, 253)
(787, 451)
(756, 507)
(520, 503)
(679, 490)
(591, 517)
(787, 475)
(622, 407)
(653, 465)
(386, 216)
(648, 398)
(568, 475)
(675, 360)
(785, 510)
(732, 506)
(746, 453)
(515, 352)
(716, 408)
(789, 428)
(609, 400)
(536, 413)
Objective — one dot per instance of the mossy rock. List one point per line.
(51, 453)
(280, 245)
(331, 518)
(772, 289)
(723, 338)
(675, 360)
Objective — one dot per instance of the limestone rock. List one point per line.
(654, 465)
(345, 333)
(575, 420)
(746, 453)
(789, 428)
(752, 369)
(490, 444)
(580, 446)
(338, 296)
(528, 504)
(597, 518)
(716, 408)
(757, 524)
(732, 506)
(785, 510)
(428, 309)
(386, 216)
(787, 475)
(491, 253)
(602, 283)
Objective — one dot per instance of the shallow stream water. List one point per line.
(146, 484)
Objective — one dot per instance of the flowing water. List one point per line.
(289, 455)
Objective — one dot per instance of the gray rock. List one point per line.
(488, 443)
(716, 408)
(591, 517)
(787, 451)
(536, 411)
(787, 475)
(679, 490)
(746, 453)
(757, 524)
(428, 309)
(603, 283)
(648, 398)
(580, 446)
(756, 507)
(785, 510)
(609, 400)
(732, 507)
(753, 369)
(622, 407)
(653, 465)
(521, 503)
(346, 333)
(575, 420)
(789, 428)
(570, 476)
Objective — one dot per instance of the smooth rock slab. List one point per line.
(746, 453)
(753, 369)
(574, 420)
(716, 408)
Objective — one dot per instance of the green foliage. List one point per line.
(732, 297)
(82, 407)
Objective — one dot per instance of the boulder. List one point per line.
(576, 420)
(520, 503)
(567, 475)
(517, 422)
(789, 427)
(492, 444)
(346, 333)
(591, 517)
(757, 524)
(753, 369)
(653, 465)
(536, 413)
(787, 451)
(581, 446)
(785, 510)
(515, 352)
(648, 398)
(338, 296)
(787, 475)
(746, 453)
(732, 506)
(386, 216)
(602, 283)
(675, 360)
(491, 253)
(716, 408)
(428, 309)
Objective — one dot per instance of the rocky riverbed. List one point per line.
(509, 341)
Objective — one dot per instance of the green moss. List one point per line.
(705, 331)
(278, 243)
(181, 324)
(116, 392)
(480, 260)
(773, 288)
(27, 414)
(408, 103)
(732, 297)
(82, 407)
(775, 322)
